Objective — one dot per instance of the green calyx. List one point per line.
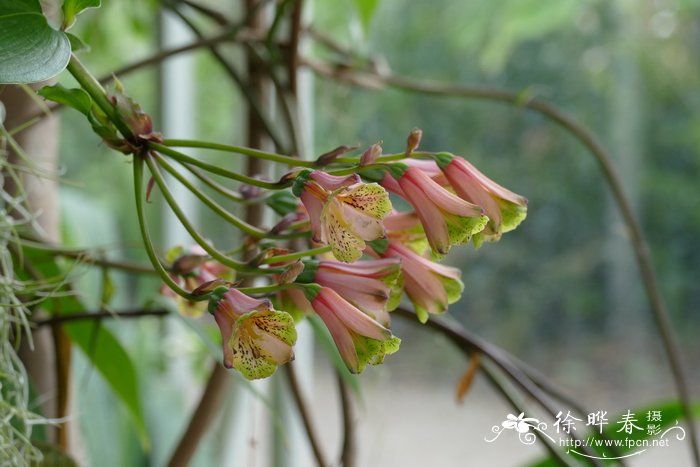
(216, 295)
(299, 182)
(308, 275)
(443, 159)
(372, 175)
(311, 290)
(397, 170)
(380, 245)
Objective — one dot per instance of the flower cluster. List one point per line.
(368, 256)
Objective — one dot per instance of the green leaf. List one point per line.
(30, 50)
(75, 98)
(72, 8)
(110, 358)
(365, 10)
(100, 346)
(77, 44)
(108, 288)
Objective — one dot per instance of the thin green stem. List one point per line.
(150, 250)
(222, 190)
(213, 205)
(90, 85)
(267, 289)
(226, 215)
(386, 157)
(356, 169)
(185, 159)
(297, 255)
(268, 156)
(215, 254)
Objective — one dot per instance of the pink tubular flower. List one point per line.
(343, 212)
(427, 166)
(372, 286)
(360, 339)
(505, 209)
(190, 270)
(430, 286)
(405, 227)
(446, 218)
(256, 338)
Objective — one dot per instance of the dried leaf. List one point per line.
(465, 382)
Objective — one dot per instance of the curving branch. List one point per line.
(348, 453)
(469, 342)
(97, 315)
(305, 415)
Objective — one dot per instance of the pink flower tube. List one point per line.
(446, 218)
(372, 286)
(430, 286)
(505, 209)
(359, 339)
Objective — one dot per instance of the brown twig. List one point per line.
(508, 394)
(62, 355)
(348, 453)
(209, 405)
(471, 342)
(243, 86)
(293, 49)
(641, 248)
(218, 382)
(207, 11)
(92, 315)
(286, 97)
(305, 415)
(86, 258)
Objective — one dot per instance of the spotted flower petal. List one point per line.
(256, 338)
(261, 341)
(352, 216)
(343, 213)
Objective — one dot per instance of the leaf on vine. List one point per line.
(30, 49)
(72, 8)
(75, 98)
(365, 10)
(77, 44)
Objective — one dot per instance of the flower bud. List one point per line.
(330, 156)
(371, 155)
(413, 141)
(291, 274)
